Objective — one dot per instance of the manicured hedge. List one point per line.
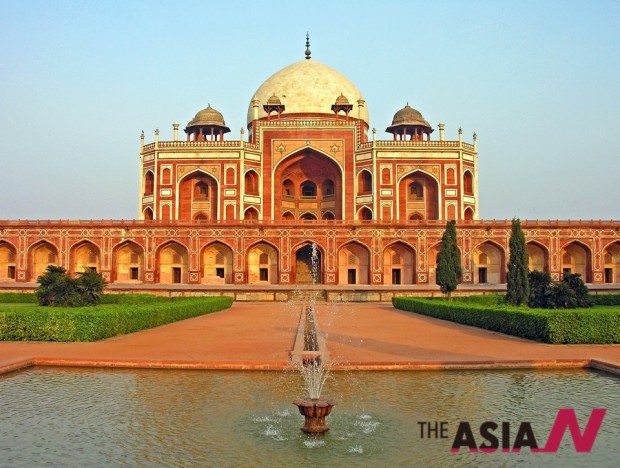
(605, 299)
(17, 298)
(568, 326)
(103, 321)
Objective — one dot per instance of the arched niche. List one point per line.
(40, 256)
(262, 264)
(198, 193)
(353, 264)
(217, 264)
(128, 263)
(172, 263)
(398, 264)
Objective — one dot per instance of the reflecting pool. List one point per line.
(102, 417)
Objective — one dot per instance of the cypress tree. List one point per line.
(449, 269)
(517, 278)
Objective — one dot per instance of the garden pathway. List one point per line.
(261, 335)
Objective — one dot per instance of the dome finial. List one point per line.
(308, 46)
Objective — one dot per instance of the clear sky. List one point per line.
(538, 81)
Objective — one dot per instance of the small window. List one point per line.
(11, 272)
(133, 273)
(482, 275)
(396, 276)
(219, 272)
(416, 191)
(351, 276)
(264, 274)
(308, 189)
(176, 275)
(201, 191)
(609, 275)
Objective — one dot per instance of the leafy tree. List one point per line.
(540, 282)
(449, 269)
(517, 277)
(58, 289)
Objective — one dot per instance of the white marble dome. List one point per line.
(308, 86)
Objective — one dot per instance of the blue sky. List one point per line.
(538, 81)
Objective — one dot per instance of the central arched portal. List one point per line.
(308, 265)
(308, 186)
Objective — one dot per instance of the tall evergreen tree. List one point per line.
(517, 278)
(449, 269)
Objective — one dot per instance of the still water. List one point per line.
(95, 417)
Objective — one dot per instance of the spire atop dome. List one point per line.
(308, 46)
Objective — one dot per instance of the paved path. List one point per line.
(261, 336)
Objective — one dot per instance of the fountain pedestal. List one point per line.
(315, 410)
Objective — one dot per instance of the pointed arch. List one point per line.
(468, 214)
(171, 259)
(308, 216)
(149, 183)
(611, 262)
(399, 262)
(468, 183)
(307, 180)
(84, 256)
(128, 262)
(431, 262)
(364, 213)
(418, 192)
(364, 182)
(251, 214)
(8, 261)
(353, 263)
(262, 261)
(308, 262)
(252, 182)
(538, 256)
(216, 263)
(147, 214)
(489, 259)
(166, 176)
(576, 257)
(197, 191)
(41, 255)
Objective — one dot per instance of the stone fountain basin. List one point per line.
(314, 411)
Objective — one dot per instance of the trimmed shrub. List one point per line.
(17, 298)
(605, 299)
(103, 321)
(577, 326)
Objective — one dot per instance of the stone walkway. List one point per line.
(359, 336)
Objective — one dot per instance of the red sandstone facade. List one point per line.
(248, 211)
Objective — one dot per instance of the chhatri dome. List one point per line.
(307, 86)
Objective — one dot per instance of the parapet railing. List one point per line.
(377, 144)
(490, 224)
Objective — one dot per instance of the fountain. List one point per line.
(311, 359)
